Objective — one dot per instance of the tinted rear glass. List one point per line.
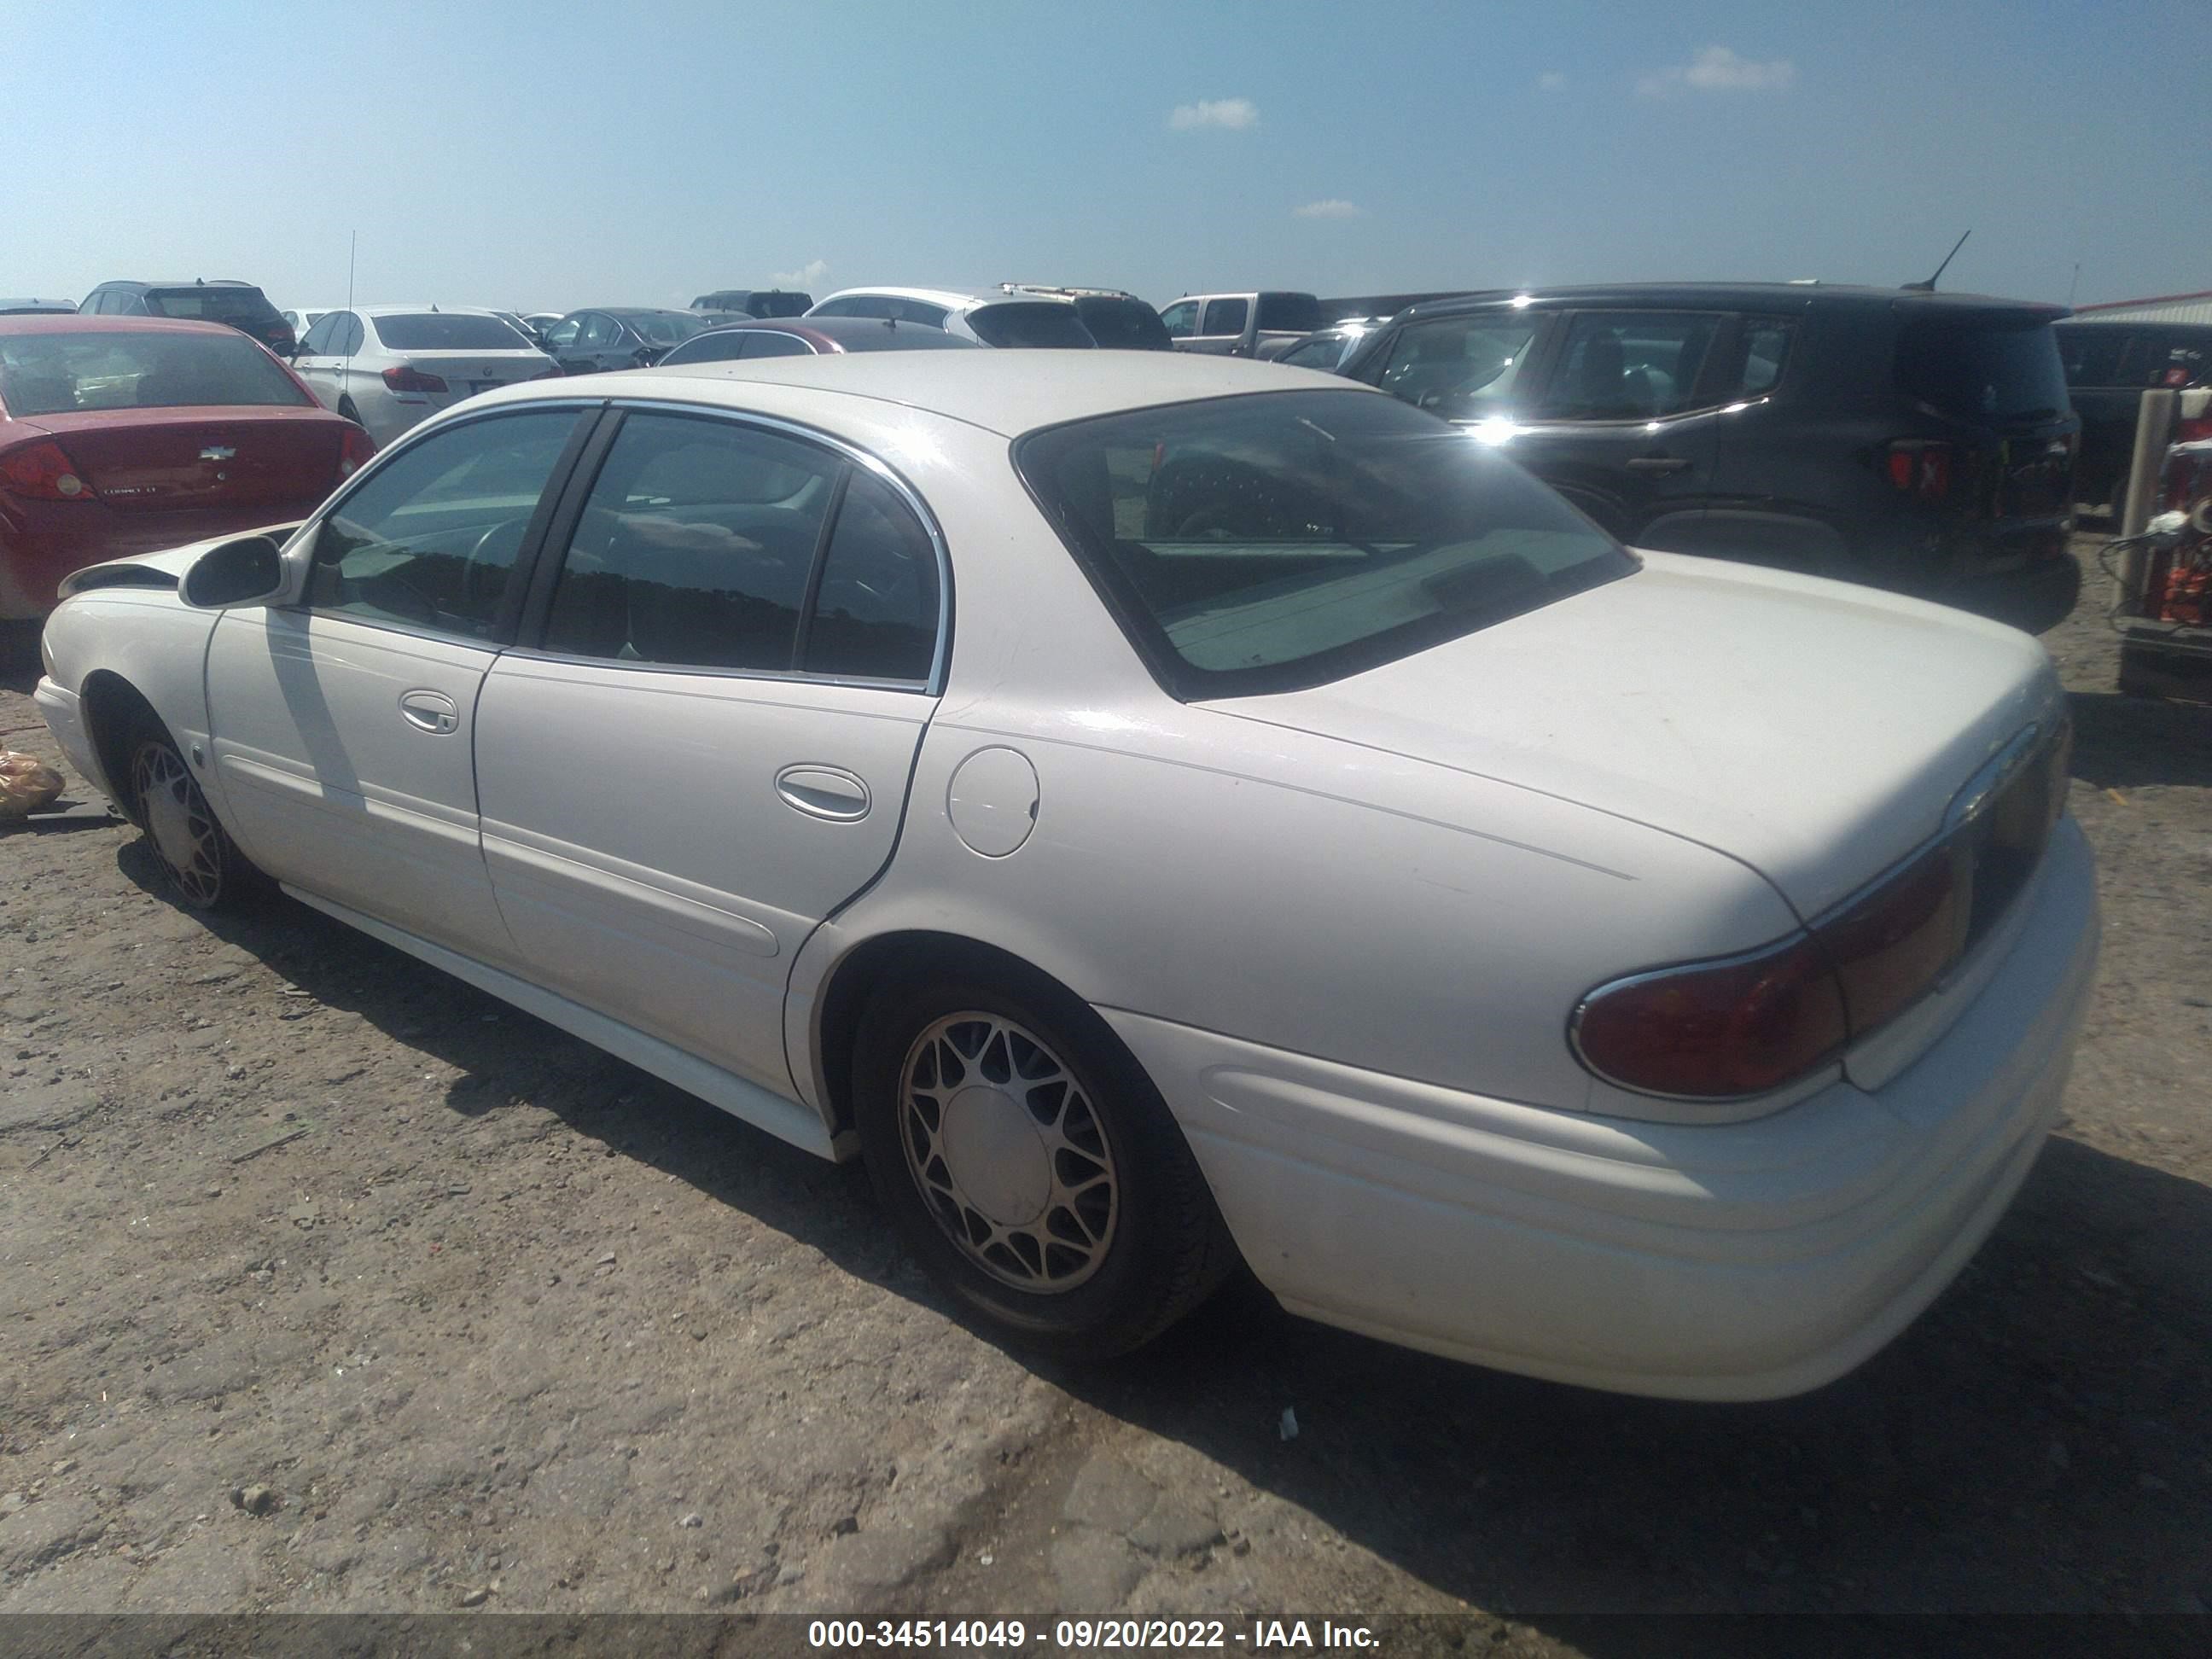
(1045, 322)
(446, 332)
(1123, 324)
(62, 373)
(219, 305)
(1258, 543)
(1294, 312)
(1978, 369)
(719, 347)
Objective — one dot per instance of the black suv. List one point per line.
(1916, 442)
(241, 305)
(2109, 366)
(754, 301)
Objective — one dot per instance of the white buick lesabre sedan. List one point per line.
(1158, 808)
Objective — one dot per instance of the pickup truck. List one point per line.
(1256, 324)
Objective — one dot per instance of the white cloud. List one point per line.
(1333, 207)
(1550, 81)
(1716, 68)
(1232, 113)
(806, 277)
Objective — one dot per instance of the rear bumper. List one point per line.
(2037, 595)
(1737, 1261)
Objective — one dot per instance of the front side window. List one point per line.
(349, 338)
(1626, 366)
(1180, 319)
(430, 538)
(1225, 317)
(61, 374)
(563, 333)
(847, 305)
(695, 547)
(321, 334)
(599, 331)
(1462, 368)
(1263, 543)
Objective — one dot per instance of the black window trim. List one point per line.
(507, 620)
(583, 479)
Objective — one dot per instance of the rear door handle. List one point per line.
(1657, 463)
(430, 711)
(825, 791)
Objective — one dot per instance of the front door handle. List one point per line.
(825, 791)
(1657, 463)
(430, 711)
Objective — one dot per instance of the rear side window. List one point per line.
(1041, 324)
(875, 612)
(446, 331)
(1121, 324)
(779, 305)
(1982, 368)
(1765, 350)
(1225, 317)
(1462, 368)
(1622, 365)
(694, 547)
(61, 374)
(219, 305)
(1295, 314)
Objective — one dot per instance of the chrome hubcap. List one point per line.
(178, 823)
(1004, 1145)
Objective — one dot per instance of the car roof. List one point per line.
(1008, 393)
(84, 323)
(186, 282)
(953, 298)
(634, 311)
(422, 311)
(1761, 295)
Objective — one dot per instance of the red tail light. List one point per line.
(1920, 469)
(1712, 1030)
(2190, 431)
(409, 378)
(1894, 945)
(43, 473)
(357, 448)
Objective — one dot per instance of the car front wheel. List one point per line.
(1031, 1166)
(202, 864)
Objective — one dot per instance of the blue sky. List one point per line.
(552, 155)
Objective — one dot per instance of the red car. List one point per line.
(125, 434)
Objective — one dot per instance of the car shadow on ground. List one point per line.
(2133, 743)
(2037, 1440)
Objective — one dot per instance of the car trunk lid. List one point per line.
(467, 372)
(213, 457)
(1816, 731)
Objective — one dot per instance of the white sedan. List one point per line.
(1158, 809)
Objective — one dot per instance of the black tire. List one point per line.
(1128, 1266)
(202, 864)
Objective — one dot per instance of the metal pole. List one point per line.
(2154, 424)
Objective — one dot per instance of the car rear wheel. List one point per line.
(1031, 1166)
(204, 868)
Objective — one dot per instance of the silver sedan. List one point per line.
(389, 366)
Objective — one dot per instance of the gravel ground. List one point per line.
(329, 1283)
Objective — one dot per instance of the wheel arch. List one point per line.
(113, 707)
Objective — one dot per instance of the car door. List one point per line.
(562, 345)
(706, 750)
(341, 727)
(1626, 423)
(604, 342)
(1221, 326)
(316, 363)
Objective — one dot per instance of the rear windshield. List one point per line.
(1026, 323)
(664, 327)
(1298, 314)
(437, 330)
(1981, 369)
(61, 374)
(1269, 541)
(1122, 324)
(219, 305)
(715, 346)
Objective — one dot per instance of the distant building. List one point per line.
(2167, 308)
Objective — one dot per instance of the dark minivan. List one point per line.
(2109, 366)
(241, 305)
(1916, 441)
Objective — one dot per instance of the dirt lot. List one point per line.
(327, 1282)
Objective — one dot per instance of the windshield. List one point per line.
(664, 327)
(1977, 369)
(219, 305)
(1266, 542)
(62, 373)
(448, 331)
(1122, 324)
(1048, 322)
